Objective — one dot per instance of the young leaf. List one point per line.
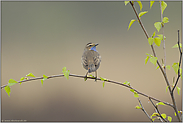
(140, 4)
(178, 90)
(157, 25)
(142, 13)
(163, 115)
(85, 79)
(151, 4)
(154, 114)
(157, 41)
(136, 94)
(163, 6)
(150, 40)
(126, 2)
(167, 88)
(21, 79)
(175, 67)
(153, 60)
(168, 67)
(132, 90)
(91, 76)
(103, 84)
(103, 79)
(137, 107)
(131, 22)
(126, 83)
(157, 67)
(11, 82)
(161, 37)
(176, 46)
(175, 113)
(66, 72)
(169, 118)
(30, 74)
(160, 103)
(8, 90)
(154, 34)
(41, 81)
(147, 58)
(165, 20)
(44, 77)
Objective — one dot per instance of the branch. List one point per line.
(154, 53)
(109, 81)
(163, 72)
(158, 111)
(179, 63)
(145, 111)
(163, 39)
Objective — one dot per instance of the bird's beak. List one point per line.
(96, 44)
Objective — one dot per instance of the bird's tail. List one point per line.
(91, 68)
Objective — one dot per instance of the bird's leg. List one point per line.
(95, 75)
(86, 75)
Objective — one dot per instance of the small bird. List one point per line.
(91, 59)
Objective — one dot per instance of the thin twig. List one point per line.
(145, 111)
(158, 111)
(180, 59)
(164, 74)
(163, 39)
(109, 81)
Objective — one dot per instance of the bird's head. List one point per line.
(91, 46)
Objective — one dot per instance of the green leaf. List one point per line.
(168, 67)
(11, 82)
(30, 74)
(142, 13)
(165, 20)
(140, 4)
(44, 77)
(66, 72)
(175, 113)
(169, 118)
(126, 83)
(21, 79)
(132, 90)
(163, 6)
(175, 67)
(136, 94)
(151, 4)
(157, 67)
(150, 40)
(163, 115)
(137, 107)
(154, 34)
(161, 37)
(126, 2)
(85, 79)
(91, 76)
(131, 22)
(160, 103)
(147, 58)
(176, 46)
(8, 90)
(41, 81)
(157, 25)
(103, 84)
(157, 41)
(154, 114)
(167, 88)
(103, 79)
(178, 90)
(153, 60)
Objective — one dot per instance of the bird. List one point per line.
(91, 58)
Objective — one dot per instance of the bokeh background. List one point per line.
(44, 37)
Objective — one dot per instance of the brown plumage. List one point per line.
(91, 58)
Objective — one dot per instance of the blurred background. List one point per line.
(43, 37)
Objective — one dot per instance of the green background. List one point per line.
(44, 37)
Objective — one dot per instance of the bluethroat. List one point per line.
(91, 59)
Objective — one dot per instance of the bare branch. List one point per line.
(145, 111)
